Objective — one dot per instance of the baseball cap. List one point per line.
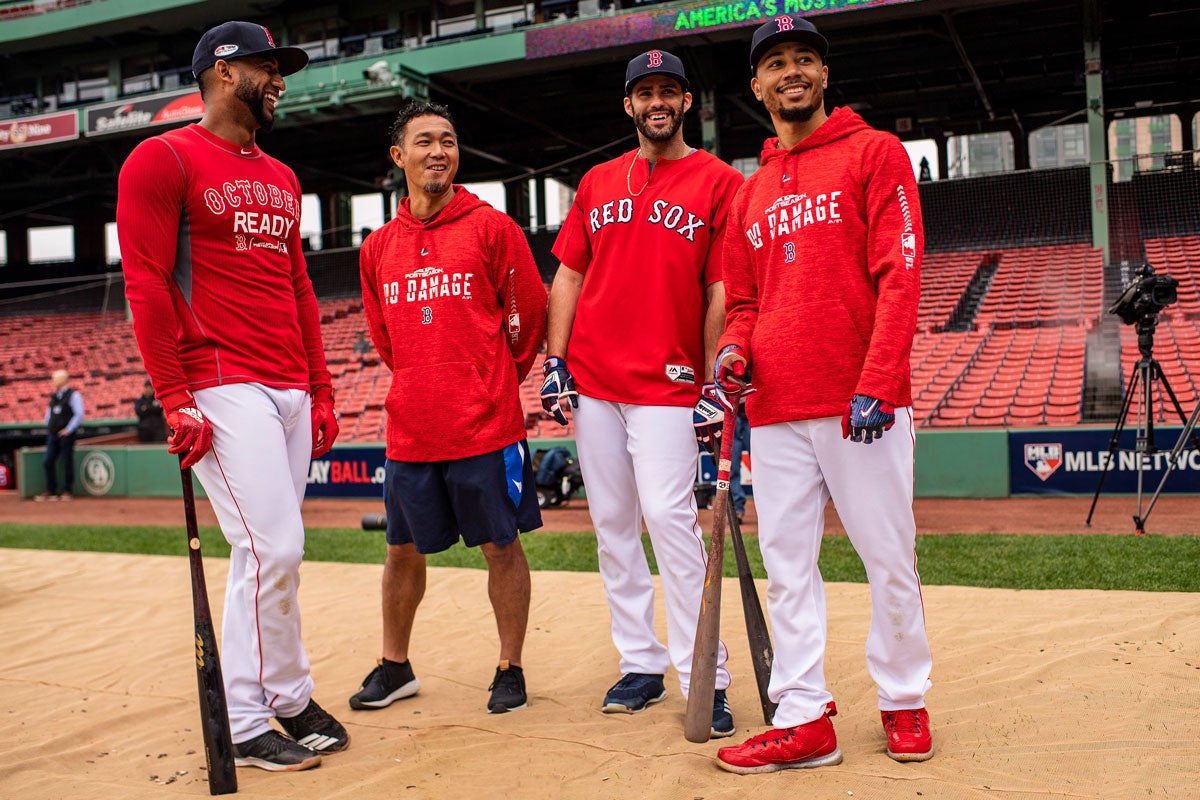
(654, 62)
(240, 39)
(788, 28)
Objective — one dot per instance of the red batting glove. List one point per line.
(191, 434)
(324, 422)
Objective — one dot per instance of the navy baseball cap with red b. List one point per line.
(654, 62)
(240, 39)
(788, 28)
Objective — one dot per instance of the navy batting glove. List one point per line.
(557, 388)
(867, 418)
(708, 416)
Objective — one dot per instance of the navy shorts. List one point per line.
(485, 498)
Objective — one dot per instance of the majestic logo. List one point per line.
(225, 50)
(1043, 459)
(655, 59)
(98, 473)
(681, 373)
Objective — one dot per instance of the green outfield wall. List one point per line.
(958, 463)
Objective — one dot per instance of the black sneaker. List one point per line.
(275, 752)
(316, 729)
(634, 692)
(508, 689)
(387, 683)
(722, 721)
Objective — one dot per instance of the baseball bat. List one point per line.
(214, 713)
(697, 720)
(762, 654)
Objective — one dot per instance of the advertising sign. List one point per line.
(676, 20)
(42, 129)
(347, 472)
(145, 112)
(1071, 462)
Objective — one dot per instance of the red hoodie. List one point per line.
(822, 272)
(457, 310)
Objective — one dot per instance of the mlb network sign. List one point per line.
(1071, 462)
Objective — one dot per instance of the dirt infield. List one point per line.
(1172, 515)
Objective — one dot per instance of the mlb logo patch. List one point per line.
(680, 373)
(1043, 459)
(908, 242)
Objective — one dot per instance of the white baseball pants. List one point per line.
(254, 477)
(798, 467)
(641, 461)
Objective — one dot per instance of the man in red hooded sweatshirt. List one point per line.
(822, 278)
(454, 300)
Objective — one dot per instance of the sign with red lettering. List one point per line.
(41, 129)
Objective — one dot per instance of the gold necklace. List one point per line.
(629, 174)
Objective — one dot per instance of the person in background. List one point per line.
(151, 425)
(64, 414)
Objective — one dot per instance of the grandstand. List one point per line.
(1021, 262)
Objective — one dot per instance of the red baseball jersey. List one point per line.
(648, 243)
(457, 311)
(214, 275)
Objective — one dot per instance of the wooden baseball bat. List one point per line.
(214, 713)
(762, 654)
(697, 720)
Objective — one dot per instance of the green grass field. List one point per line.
(1139, 563)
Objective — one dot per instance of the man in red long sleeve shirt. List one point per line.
(822, 277)
(227, 323)
(454, 301)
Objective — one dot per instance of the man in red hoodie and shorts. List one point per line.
(822, 278)
(453, 300)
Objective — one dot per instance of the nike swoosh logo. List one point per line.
(869, 410)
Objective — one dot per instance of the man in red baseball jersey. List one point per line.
(822, 275)
(638, 300)
(454, 301)
(227, 323)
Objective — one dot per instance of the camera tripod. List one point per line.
(1145, 372)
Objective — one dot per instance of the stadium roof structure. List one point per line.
(546, 99)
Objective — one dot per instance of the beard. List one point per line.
(803, 113)
(435, 187)
(641, 122)
(255, 101)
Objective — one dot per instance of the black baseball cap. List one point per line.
(231, 40)
(788, 28)
(654, 62)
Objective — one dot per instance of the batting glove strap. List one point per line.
(191, 435)
(558, 388)
(708, 416)
(867, 418)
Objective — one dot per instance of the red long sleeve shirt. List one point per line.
(214, 275)
(822, 272)
(457, 311)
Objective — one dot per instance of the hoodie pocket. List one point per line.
(438, 401)
(812, 351)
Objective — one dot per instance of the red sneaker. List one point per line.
(813, 744)
(908, 737)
